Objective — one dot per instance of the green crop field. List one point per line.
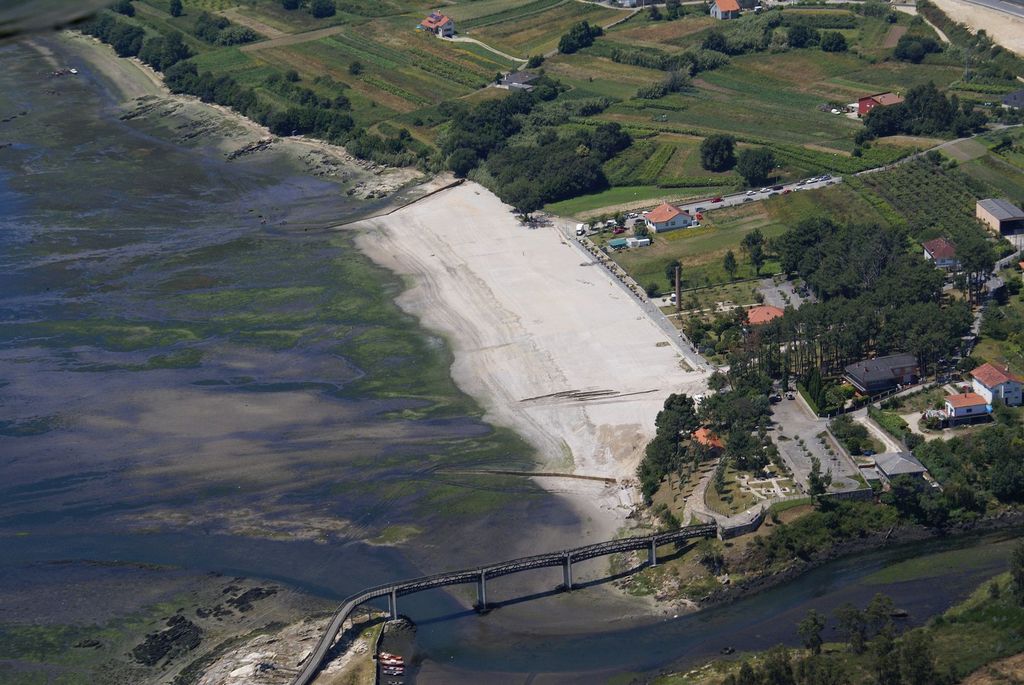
(523, 32)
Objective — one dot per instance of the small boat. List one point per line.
(728, 650)
(899, 613)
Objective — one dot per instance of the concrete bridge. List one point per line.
(480, 576)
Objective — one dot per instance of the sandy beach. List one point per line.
(530, 316)
(1003, 28)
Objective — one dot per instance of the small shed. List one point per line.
(638, 242)
(518, 80)
(618, 244)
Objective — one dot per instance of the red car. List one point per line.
(718, 199)
(787, 191)
(618, 229)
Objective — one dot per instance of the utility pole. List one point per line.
(679, 292)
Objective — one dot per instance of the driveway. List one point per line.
(796, 423)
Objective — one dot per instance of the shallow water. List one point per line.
(194, 371)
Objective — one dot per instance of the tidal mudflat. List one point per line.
(195, 373)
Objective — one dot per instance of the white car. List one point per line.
(766, 190)
(751, 192)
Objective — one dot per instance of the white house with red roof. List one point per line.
(666, 217)
(997, 383)
(966, 405)
(439, 25)
(725, 9)
(942, 253)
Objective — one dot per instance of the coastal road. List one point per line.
(762, 194)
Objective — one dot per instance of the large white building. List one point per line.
(996, 383)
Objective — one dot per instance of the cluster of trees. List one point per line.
(924, 111)
(718, 152)
(318, 8)
(874, 296)
(803, 36)
(755, 165)
(673, 10)
(326, 118)
(691, 61)
(528, 175)
(752, 34)
(671, 445)
(216, 29)
(674, 82)
(580, 36)
(914, 48)
(977, 467)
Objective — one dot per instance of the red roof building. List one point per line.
(707, 437)
(439, 24)
(666, 217)
(966, 405)
(725, 9)
(942, 253)
(869, 102)
(996, 383)
(762, 314)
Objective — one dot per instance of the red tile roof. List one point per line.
(991, 375)
(663, 212)
(728, 5)
(707, 437)
(435, 21)
(762, 314)
(940, 248)
(965, 399)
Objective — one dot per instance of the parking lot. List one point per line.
(797, 438)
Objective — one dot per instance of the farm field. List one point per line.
(535, 28)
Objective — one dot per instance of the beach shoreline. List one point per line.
(1003, 28)
(542, 336)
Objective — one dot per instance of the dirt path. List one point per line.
(293, 39)
(894, 35)
(485, 46)
(232, 14)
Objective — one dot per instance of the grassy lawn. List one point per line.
(922, 401)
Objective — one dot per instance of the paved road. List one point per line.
(756, 195)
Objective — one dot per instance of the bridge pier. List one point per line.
(652, 554)
(481, 592)
(393, 604)
(567, 572)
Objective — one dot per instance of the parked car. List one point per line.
(790, 396)
(751, 192)
(618, 229)
(748, 199)
(700, 209)
(776, 187)
(826, 177)
(765, 190)
(800, 183)
(718, 199)
(787, 191)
